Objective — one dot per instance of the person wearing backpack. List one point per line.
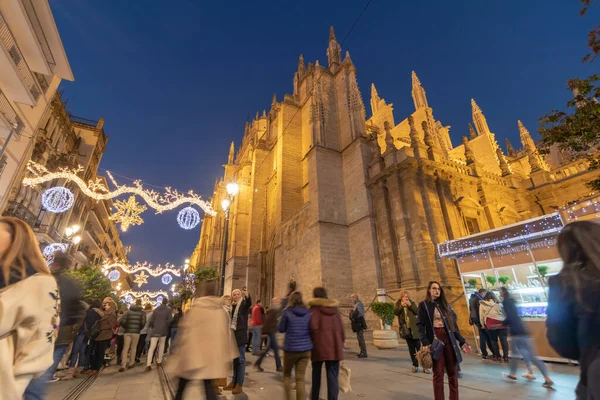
(88, 331)
(492, 316)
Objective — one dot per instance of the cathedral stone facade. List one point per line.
(330, 198)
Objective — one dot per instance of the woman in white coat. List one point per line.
(28, 309)
(206, 343)
(492, 316)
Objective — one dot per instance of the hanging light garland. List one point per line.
(145, 266)
(97, 190)
(128, 213)
(188, 218)
(57, 199)
(138, 294)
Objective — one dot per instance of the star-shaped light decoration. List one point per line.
(141, 279)
(128, 213)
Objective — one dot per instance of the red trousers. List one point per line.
(446, 361)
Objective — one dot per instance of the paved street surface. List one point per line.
(384, 375)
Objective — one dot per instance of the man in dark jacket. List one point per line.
(159, 323)
(484, 337)
(357, 318)
(132, 322)
(240, 309)
(269, 328)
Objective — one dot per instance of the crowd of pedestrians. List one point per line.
(209, 342)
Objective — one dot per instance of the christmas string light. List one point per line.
(188, 218)
(145, 266)
(138, 294)
(128, 213)
(53, 248)
(97, 190)
(141, 279)
(58, 199)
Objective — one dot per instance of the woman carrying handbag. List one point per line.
(492, 316)
(438, 332)
(406, 310)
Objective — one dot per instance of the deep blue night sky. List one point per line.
(176, 81)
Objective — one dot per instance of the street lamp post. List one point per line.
(232, 190)
(70, 235)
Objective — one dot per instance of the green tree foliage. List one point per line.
(577, 130)
(385, 311)
(206, 274)
(95, 284)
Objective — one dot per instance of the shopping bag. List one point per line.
(344, 378)
(424, 358)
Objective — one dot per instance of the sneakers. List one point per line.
(361, 356)
(148, 368)
(121, 369)
(528, 375)
(53, 379)
(230, 386)
(548, 384)
(237, 389)
(509, 376)
(258, 368)
(426, 371)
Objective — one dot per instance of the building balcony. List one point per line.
(9, 119)
(18, 210)
(39, 34)
(90, 231)
(49, 231)
(18, 82)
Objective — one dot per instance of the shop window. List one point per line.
(472, 225)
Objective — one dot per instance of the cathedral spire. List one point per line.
(472, 131)
(510, 150)
(418, 93)
(503, 164)
(301, 67)
(479, 119)
(415, 140)
(526, 138)
(231, 153)
(469, 155)
(374, 99)
(334, 56)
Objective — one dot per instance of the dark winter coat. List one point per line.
(326, 330)
(107, 325)
(134, 320)
(357, 317)
(573, 330)
(241, 328)
(295, 323)
(176, 320)
(270, 321)
(72, 310)
(513, 321)
(161, 320)
(474, 301)
(425, 325)
(412, 317)
(92, 315)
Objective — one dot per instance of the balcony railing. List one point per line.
(39, 33)
(84, 121)
(7, 112)
(8, 40)
(90, 230)
(18, 210)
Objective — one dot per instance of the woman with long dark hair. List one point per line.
(573, 304)
(28, 310)
(436, 320)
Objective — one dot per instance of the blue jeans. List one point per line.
(271, 345)
(79, 350)
(333, 370)
(36, 390)
(521, 344)
(256, 339)
(239, 367)
(173, 336)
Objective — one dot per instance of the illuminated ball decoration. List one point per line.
(58, 199)
(53, 248)
(159, 300)
(188, 218)
(129, 298)
(114, 275)
(157, 304)
(166, 279)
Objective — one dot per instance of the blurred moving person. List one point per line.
(159, 323)
(206, 344)
(80, 359)
(295, 323)
(521, 343)
(28, 310)
(132, 323)
(240, 308)
(175, 327)
(141, 346)
(574, 304)
(327, 334)
(269, 328)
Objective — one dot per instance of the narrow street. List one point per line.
(384, 375)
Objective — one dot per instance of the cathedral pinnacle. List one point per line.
(301, 67)
(231, 153)
(415, 79)
(479, 119)
(468, 151)
(374, 99)
(472, 131)
(503, 164)
(274, 99)
(510, 150)
(332, 34)
(428, 138)
(418, 93)
(415, 140)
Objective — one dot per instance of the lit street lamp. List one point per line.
(70, 234)
(232, 191)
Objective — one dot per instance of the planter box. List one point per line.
(385, 339)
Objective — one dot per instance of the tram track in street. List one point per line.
(81, 388)
(168, 389)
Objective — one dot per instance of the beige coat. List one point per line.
(205, 343)
(28, 321)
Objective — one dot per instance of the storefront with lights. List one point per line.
(520, 257)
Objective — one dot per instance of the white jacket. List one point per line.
(489, 308)
(28, 328)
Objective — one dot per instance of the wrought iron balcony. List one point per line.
(18, 210)
(39, 33)
(8, 41)
(9, 117)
